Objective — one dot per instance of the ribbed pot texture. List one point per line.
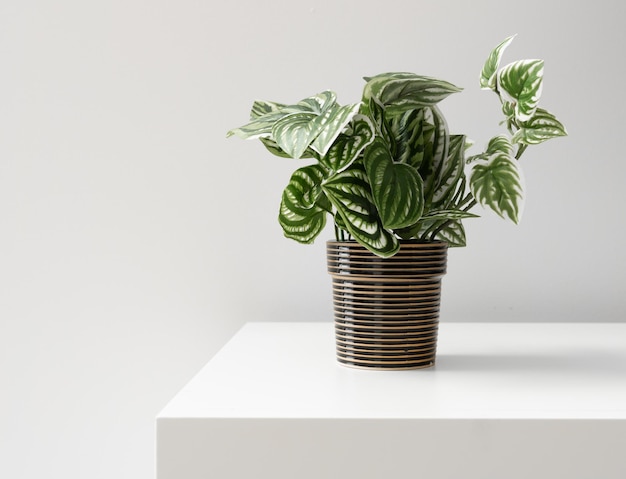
(387, 309)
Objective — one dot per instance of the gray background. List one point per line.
(136, 239)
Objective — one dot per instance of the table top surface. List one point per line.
(483, 370)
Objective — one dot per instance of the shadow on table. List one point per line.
(595, 362)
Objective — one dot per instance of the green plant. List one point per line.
(387, 168)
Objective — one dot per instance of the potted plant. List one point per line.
(397, 186)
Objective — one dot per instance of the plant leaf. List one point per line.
(329, 120)
(347, 147)
(453, 234)
(265, 114)
(508, 108)
(294, 133)
(318, 103)
(500, 144)
(260, 127)
(411, 133)
(376, 112)
(274, 149)
(349, 192)
(397, 188)
(399, 91)
(339, 223)
(488, 73)
(449, 215)
(541, 127)
(435, 154)
(495, 180)
(329, 124)
(522, 81)
(261, 108)
(303, 207)
(450, 172)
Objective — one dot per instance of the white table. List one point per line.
(504, 401)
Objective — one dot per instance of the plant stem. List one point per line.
(520, 151)
(447, 222)
(465, 200)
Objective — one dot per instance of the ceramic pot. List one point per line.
(386, 309)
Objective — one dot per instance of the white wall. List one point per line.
(135, 239)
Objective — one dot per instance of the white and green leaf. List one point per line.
(411, 135)
(490, 69)
(397, 188)
(495, 179)
(293, 133)
(541, 127)
(303, 206)
(399, 91)
(436, 154)
(261, 108)
(522, 81)
(329, 124)
(349, 145)
(318, 103)
(260, 127)
(500, 144)
(265, 114)
(508, 108)
(452, 233)
(349, 192)
(451, 171)
(274, 149)
(382, 124)
(449, 215)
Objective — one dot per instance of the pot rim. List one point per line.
(401, 241)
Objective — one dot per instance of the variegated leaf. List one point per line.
(411, 133)
(376, 112)
(329, 124)
(541, 127)
(294, 133)
(449, 215)
(303, 207)
(347, 147)
(339, 223)
(260, 127)
(397, 188)
(495, 180)
(500, 144)
(451, 171)
(325, 110)
(265, 114)
(488, 73)
(522, 82)
(318, 103)
(261, 108)
(274, 149)
(453, 233)
(399, 91)
(350, 194)
(435, 154)
(508, 108)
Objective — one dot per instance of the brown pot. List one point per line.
(387, 309)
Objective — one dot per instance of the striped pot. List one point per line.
(386, 309)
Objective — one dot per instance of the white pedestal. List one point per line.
(505, 401)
